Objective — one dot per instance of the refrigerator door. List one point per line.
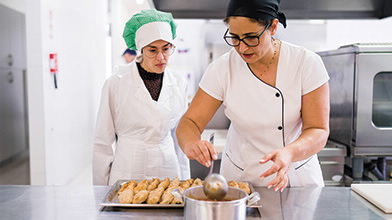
(13, 115)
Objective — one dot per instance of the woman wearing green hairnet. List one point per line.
(140, 107)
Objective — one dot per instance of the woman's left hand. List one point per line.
(282, 159)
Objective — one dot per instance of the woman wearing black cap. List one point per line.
(276, 95)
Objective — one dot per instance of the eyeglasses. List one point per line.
(250, 41)
(152, 52)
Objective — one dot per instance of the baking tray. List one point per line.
(111, 199)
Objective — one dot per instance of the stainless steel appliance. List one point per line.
(233, 206)
(361, 104)
(332, 164)
(13, 99)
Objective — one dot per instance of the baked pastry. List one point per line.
(244, 186)
(153, 184)
(140, 197)
(156, 191)
(186, 184)
(164, 183)
(141, 186)
(155, 195)
(197, 182)
(174, 183)
(167, 196)
(126, 196)
(233, 183)
(130, 184)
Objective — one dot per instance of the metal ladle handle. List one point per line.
(211, 139)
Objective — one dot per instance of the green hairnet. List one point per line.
(145, 17)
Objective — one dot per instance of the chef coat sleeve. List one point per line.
(314, 73)
(104, 138)
(183, 160)
(212, 80)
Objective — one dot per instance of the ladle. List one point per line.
(215, 185)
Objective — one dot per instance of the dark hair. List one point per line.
(260, 21)
(132, 52)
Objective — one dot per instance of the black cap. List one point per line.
(257, 9)
(131, 52)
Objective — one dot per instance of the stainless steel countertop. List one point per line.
(83, 202)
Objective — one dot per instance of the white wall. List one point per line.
(343, 32)
(62, 120)
(321, 35)
(311, 34)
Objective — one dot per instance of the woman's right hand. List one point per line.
(202, 151)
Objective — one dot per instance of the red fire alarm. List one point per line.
(53, 66)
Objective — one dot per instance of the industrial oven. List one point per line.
(361, 106)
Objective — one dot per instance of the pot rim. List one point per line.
(216, 202)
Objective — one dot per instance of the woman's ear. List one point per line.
(274, 26)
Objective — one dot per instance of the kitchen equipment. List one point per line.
(111, 199)
(379, 195)
(197, 205)
(361, 104)
(331, 159)
(215, 185)
(211, 139)
(14, 129)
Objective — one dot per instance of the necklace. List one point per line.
(274, 45)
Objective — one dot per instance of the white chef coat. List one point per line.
(263, 117)
(146, 145)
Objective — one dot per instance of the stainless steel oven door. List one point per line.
(373, 96)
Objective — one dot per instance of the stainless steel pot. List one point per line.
(198, 207)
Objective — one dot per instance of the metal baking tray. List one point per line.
(111, 199)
